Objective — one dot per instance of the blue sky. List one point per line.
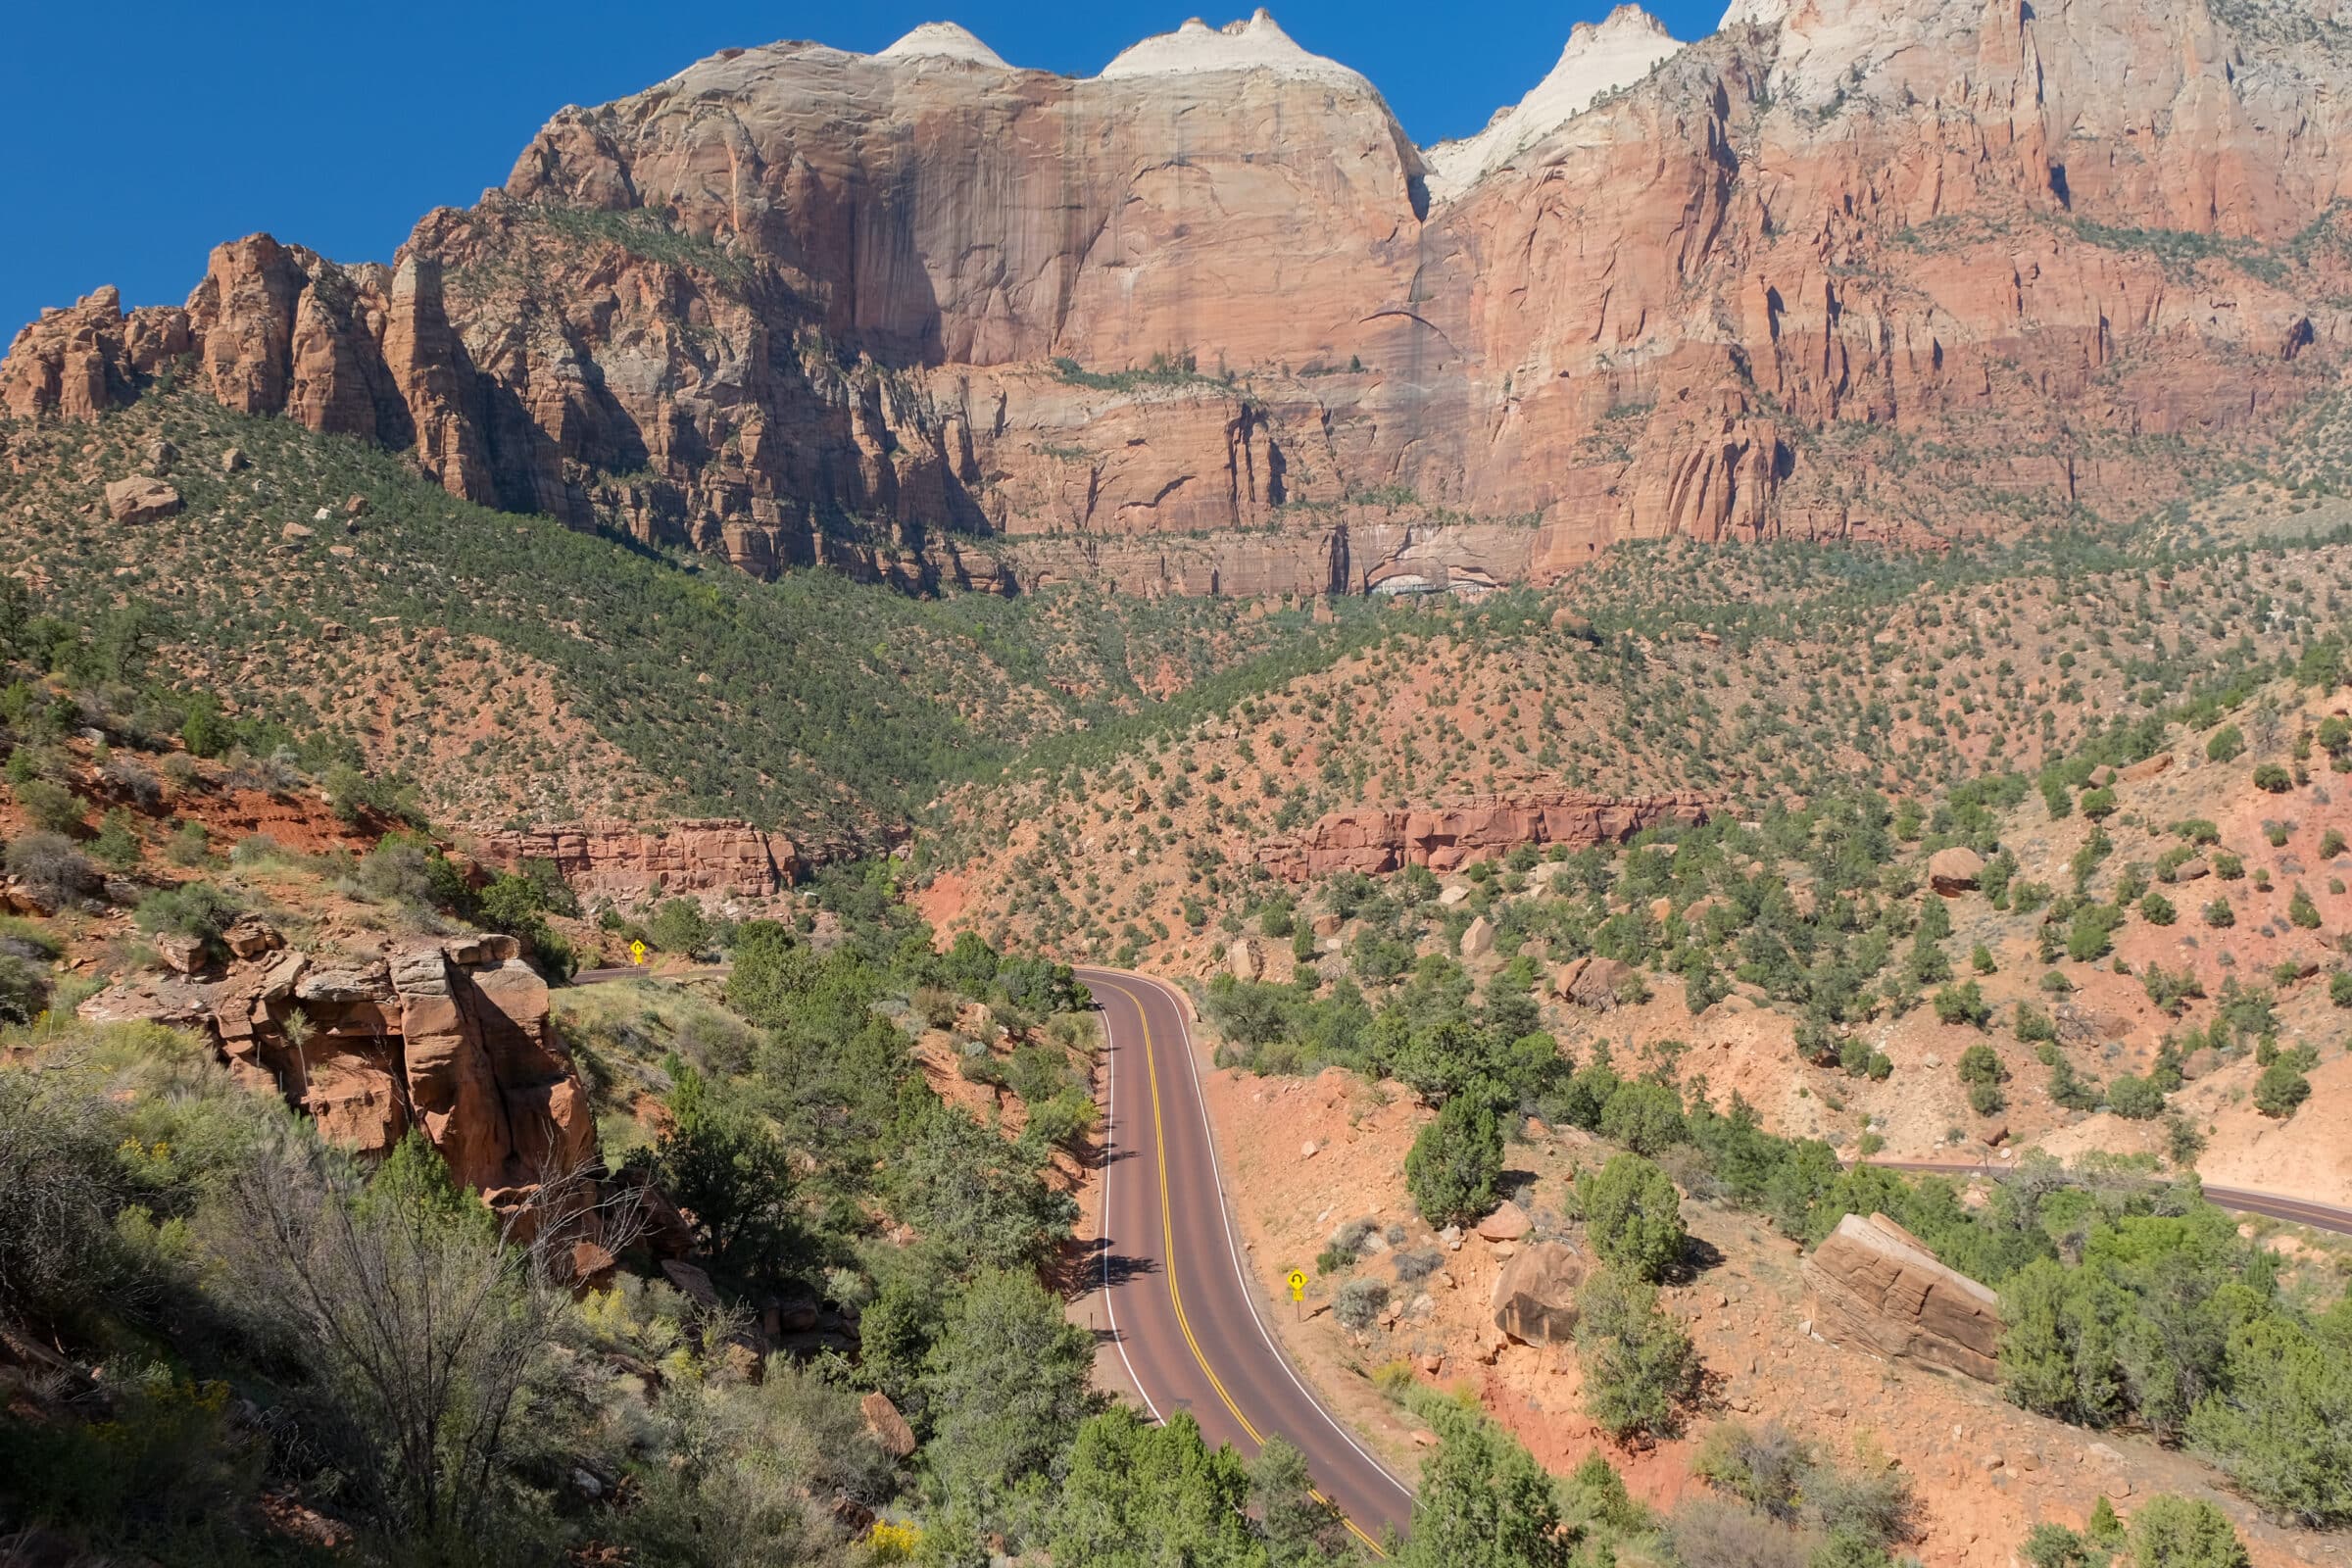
(144, 132)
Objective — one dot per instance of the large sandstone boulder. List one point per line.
(1956, 870)
(1591, 983)
(140, 498)
(1874, 1285)
(1535, 1295)
(888, 1428)
(452, 1037)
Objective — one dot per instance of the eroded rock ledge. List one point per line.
(714, 859)
(451, 1036)
(1445, 836)
(1876, 1284)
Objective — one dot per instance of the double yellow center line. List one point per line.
(1167, 1247)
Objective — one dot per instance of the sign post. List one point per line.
(637, 952)
(1297, 1284)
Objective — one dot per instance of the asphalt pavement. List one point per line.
(1183, 1301)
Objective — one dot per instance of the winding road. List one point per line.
(1182, 1297)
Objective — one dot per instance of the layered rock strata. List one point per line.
(716, 860)
(1874, 1285)
(1856, 270)
(1444, 837)
(450, 1037)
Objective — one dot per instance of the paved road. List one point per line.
(2237, 1199)
(1182, 1305)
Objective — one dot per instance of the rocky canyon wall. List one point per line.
(1446, 835)
(1877, 269)
(715, 860)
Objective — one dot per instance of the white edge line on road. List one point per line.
(1111, 1122)
(1241, 1270)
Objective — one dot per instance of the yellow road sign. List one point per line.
(1297, 1284)
(636, 953)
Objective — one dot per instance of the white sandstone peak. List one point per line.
(1599, 57)
(944, 40)
(1259, 45)
(1759, 13)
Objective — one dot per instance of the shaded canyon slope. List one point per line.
(1869, 269)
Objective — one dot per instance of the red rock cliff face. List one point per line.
(1442, 837)
(452, 1038)
(715, 860)
(925, 316)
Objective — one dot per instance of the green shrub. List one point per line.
(1640, 1371)
(2271, 779)
(196, 910)
(2280, 1090)
(2228, 744)
(50, 806)
(2157, 909)
(1633, 1216)
(2135, 1098)
(1454, 1162)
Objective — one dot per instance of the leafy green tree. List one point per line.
(1641, 1369)
(679, 926)
(727, 1169)
(2283, 1424)
(1302, 1527)
(1645, 1117)
(1454, 1163)
(1007, 1385)
(2135, 1098)
(2280, 1090)
(1633, 1216)
(1484, 1502)
(977, 1197)
(2229, 743)
(1136, 1494)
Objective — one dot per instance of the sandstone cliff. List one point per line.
(1442, 837)
(715, 860)
(451, 1036)
(1848, 268)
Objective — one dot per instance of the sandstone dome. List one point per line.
(1259, 45)
(944, 40)
(1598, 58)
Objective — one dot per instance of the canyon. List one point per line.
(1209, 323)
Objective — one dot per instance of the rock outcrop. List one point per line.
(1446, 835)
(451, 1036)
(140, 499)
(1954, 870)
(716, 860)
(1874, 1285)
(1535, 1295)
(1209, 323)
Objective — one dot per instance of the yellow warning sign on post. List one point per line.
(1297, 1284)
(637, 952)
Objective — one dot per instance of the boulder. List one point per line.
(1506, 1224)
(1874, 1285)
(1245, 960)
(181, 954)
(1535, 1295)
(2147, 767)
(1478, 940)
(1591, 983)
(233, 461)
(888, 1428)
(141, 498)
(1956, 870)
